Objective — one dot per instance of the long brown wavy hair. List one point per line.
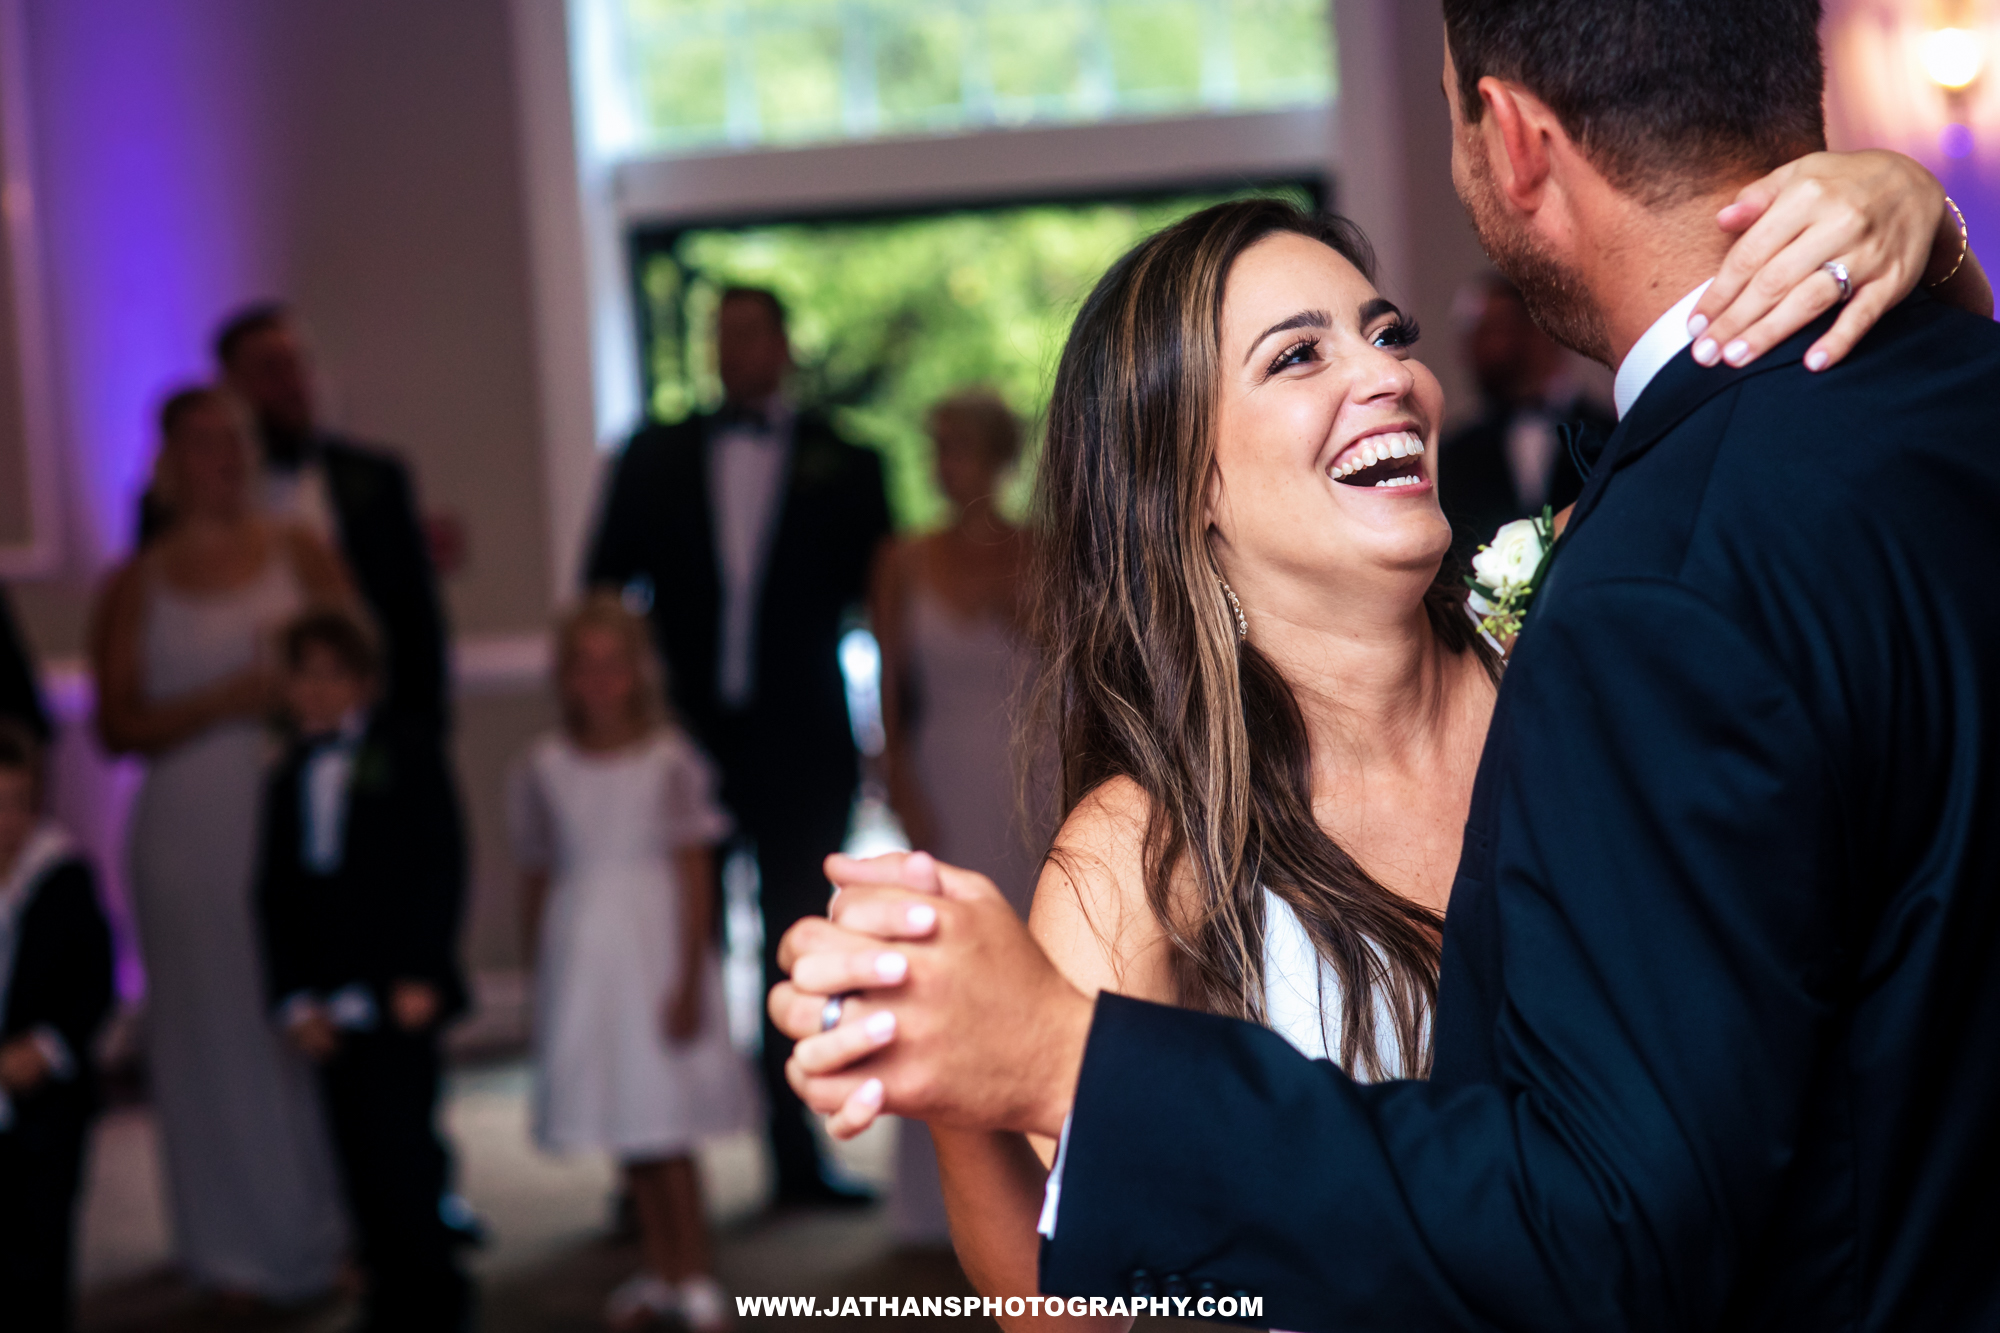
(1144, 675)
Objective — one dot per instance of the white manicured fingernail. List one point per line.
(922, 917)
(1817, 359)
(1697, 325)
(1704, 352)
(869, 1093)
(1736, 353)
(891, 966)
(880, 1027)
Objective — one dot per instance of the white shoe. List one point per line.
(640, 1300)
(704, 1304)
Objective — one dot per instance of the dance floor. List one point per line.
(553, 1255)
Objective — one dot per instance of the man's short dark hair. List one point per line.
(1662, 94)
(334, 632)
(246, 324)
(20, 752)
(764, 296)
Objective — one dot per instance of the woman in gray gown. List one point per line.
(182, 649)
(947, 610)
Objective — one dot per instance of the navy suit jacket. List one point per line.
(1718, 1035)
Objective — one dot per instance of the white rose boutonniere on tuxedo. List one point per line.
(1507, 572)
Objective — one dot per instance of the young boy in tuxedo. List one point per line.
(360, 890)
(55, 993)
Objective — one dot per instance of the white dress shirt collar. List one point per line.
(746, 483)
(325, 788)
(1656, 346)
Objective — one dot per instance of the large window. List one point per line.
(740, 73)
(890, 314)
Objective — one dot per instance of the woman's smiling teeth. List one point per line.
(1397, 449)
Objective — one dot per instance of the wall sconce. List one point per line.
(1953, 57)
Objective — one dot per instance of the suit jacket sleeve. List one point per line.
(62, 976)
(286, 936)
(1665, 905)
(621, 549)
(400, 583)
(425, 944)
(875, 501)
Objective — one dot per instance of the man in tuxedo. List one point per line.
(1514, 460)
(752, 531)
(359, 496)
(1714, 1033)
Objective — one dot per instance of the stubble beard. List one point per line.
(1553, 292)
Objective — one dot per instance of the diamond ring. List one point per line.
(1838, 272)
(829, 1013)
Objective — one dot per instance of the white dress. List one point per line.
(605, 828)
(249, 1170)
(1302, 1000)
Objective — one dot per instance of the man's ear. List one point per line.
(1515, 132)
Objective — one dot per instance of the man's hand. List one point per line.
(413, 1004)
(965, 1023)
(314, 1034)
(23, 1066)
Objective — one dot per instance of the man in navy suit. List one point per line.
(1715, 1032)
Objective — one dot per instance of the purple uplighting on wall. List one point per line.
(156, 218)
(1956, 141)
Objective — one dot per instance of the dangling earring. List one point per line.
(1242, 625)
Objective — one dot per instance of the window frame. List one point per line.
(647, 240)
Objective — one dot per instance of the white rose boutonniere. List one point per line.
(1507, 572)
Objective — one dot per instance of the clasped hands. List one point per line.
(413, 1006)
(952, 1013)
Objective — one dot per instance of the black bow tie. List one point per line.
(733, 417)
(1585, 441)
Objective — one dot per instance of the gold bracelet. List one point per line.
(1964, 245)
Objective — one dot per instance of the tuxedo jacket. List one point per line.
(20, 695)
(1718, 1034)
(833, 514)
(1477, 482)
(61, 980)
(381, 537)
(391, 911)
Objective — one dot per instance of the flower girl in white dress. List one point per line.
(615, 822)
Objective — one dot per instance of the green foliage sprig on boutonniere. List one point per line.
(1507, 572)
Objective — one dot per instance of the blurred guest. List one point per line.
(20, 696)
(360, 890)
(183, 647)
(947, 609)
(355, 497)
(55, 992)
(616, 822)
(753, 530)
(1512, 461)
